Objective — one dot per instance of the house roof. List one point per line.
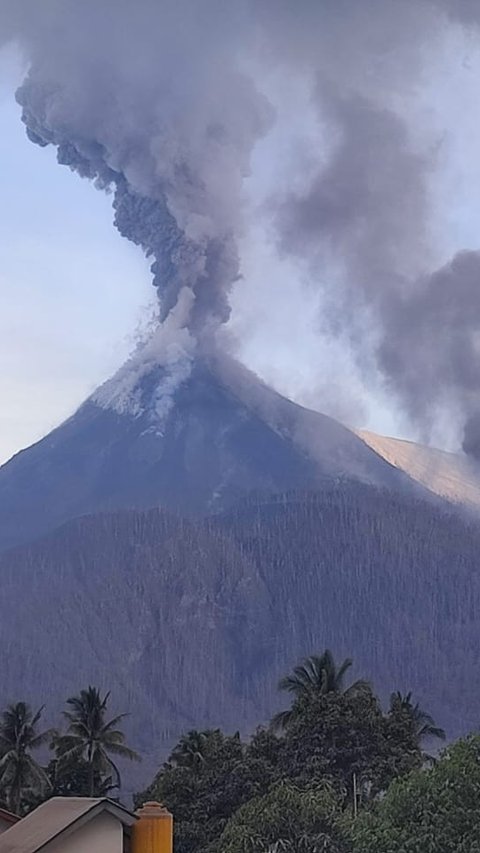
(58, 816)
(9, 817)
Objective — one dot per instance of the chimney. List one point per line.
(153, 831)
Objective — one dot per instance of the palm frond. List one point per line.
(7, 758)
(281, 720)
(116, 772)
(37, 716)
(42, 738)
(123, 751)
(342, 671)
(360, 687)
(70, 755)
(113, 722)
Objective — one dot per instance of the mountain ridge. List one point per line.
(452, 476)
(224, 434)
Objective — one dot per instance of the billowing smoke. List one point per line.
(161, 102)
(369, 206)
(146, 100)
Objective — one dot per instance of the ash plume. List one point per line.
(369, 206)
(145, 99)
(161, 103)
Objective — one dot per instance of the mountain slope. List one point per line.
(191, 623)
(449, 475)
(216, 436)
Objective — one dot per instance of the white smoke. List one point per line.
(168, 354)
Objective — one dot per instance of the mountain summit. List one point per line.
(192, 437)
(299, 536)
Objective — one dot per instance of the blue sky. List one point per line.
(73, 292)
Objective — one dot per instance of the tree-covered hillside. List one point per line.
(190, 623)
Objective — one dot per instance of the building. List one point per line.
(7, 819)
(88, 825)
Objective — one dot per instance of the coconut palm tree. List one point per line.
(20, 775)
(425, 726)
(190, 750)
(316, 675)
(93, 739)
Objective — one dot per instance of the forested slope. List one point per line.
(192, 623)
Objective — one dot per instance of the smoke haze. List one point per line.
(163, 103)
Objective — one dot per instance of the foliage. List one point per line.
(334, 742)
(431, 810)
(204, 794)
(287, 818)
(21, 777)
(92, 739)
(345, 736)
(192, 750)
(316, 675)
(298, 790)
(425, 725)
(73, 780)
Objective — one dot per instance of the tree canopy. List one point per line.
(316, 675)
(287, 818)
(343, 775)
(338, 751)
(430, 810)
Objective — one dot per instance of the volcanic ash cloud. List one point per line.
(161, 103)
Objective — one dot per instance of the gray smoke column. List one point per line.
(156, 101)
(145, 99)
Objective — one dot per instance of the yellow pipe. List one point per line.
(153, 831)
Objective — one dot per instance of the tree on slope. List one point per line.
(21, 777)
(316, 675)
(93, 739)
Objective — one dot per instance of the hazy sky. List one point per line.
(62, 269)
(73, 292)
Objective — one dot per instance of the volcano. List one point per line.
(188, 520)
(194, 444)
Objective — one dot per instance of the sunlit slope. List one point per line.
(450, 475)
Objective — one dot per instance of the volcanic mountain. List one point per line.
(188, 534)
(194, 442)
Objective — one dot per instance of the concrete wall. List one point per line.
(101, 834)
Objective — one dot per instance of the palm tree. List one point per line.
(73, 779)
(190, 750)
(314, 676)
(20, 775)
(92, 739)
(425, 726)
